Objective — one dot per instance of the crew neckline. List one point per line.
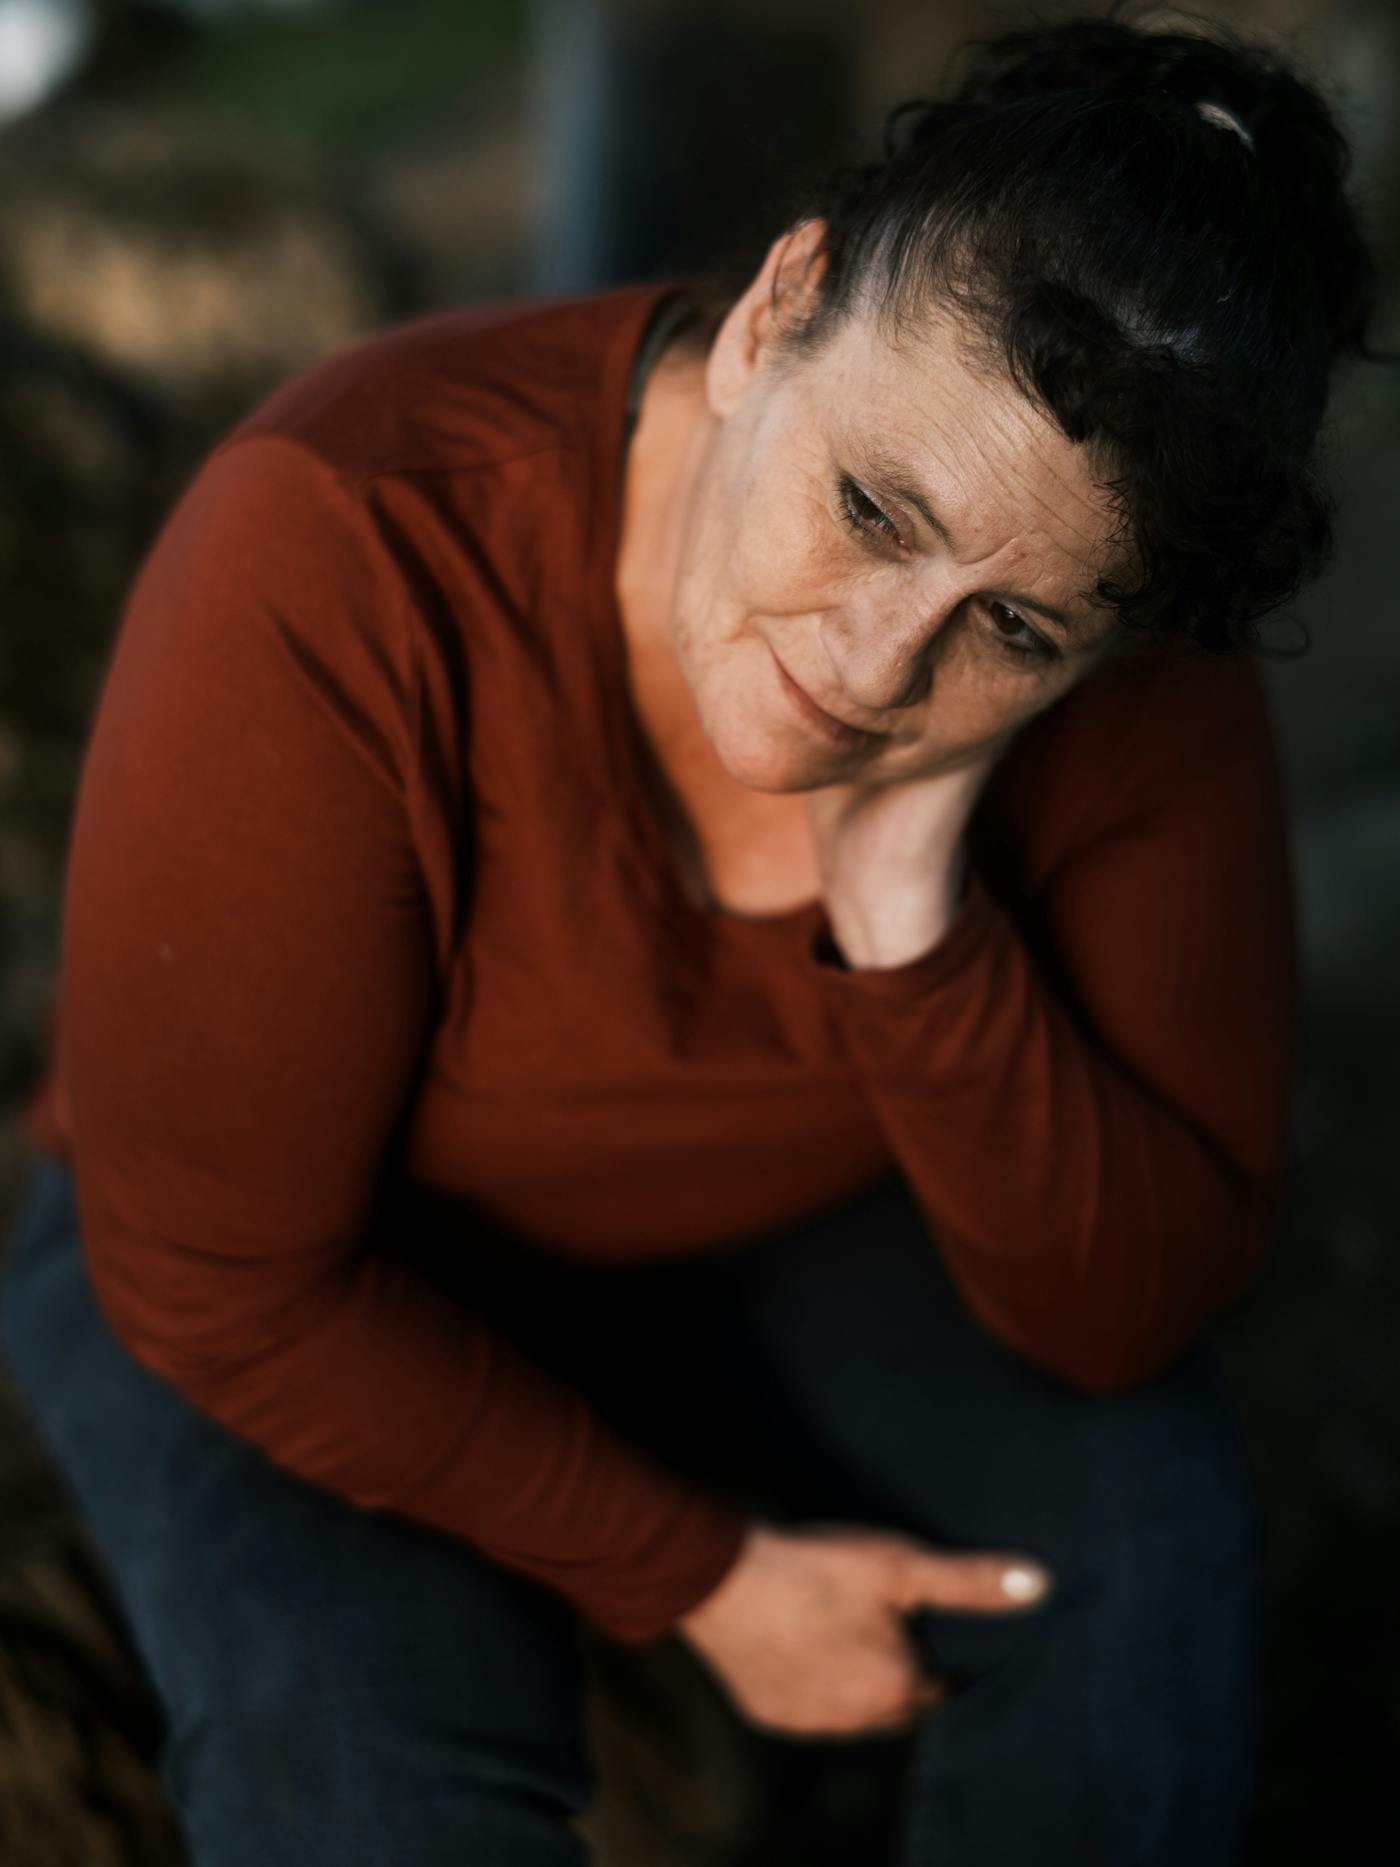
(627, 747)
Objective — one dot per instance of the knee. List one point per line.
(343, 1690)
(281, 1763)
(1183, 1492)
(1142, 1505)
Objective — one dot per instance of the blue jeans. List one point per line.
(344, 1688)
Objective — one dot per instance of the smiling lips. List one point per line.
(816, 716)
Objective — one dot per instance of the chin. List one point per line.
(765, 760)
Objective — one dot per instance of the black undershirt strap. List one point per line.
(666, 320)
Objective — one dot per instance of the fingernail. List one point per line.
(1025, 1582)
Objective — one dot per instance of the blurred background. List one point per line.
(197, 197)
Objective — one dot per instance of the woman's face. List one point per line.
(886, 530)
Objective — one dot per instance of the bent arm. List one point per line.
(247, 991)
(1096, 1126)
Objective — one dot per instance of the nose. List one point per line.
(882, 655)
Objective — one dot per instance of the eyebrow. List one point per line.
(894, 475)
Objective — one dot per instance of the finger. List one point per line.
(982, 1583)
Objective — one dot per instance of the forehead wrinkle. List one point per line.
(891, 467)
(905, 411)
(928, 381)
(1001, 563)
(1010, 565)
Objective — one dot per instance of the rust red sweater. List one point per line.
(362, 876)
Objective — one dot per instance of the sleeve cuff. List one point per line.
(715, 1540)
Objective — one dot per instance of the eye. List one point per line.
(861, 515)
(1036, 648)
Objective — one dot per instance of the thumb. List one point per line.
(983, 1582)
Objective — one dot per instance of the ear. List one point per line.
(779, 292)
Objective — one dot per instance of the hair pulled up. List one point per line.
(1169, 295)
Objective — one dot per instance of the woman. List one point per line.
(677, 1003)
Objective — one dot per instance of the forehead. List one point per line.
(929, 404)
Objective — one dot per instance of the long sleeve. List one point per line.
(1094, 1119)
(248, 987)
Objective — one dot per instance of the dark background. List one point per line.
(199, 196)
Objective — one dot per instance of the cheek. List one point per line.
(973, 701)
(779, 549)
(763, 557)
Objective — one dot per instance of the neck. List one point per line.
(661, 463)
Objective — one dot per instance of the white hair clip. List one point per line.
(1217, 113)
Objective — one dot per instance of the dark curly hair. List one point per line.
(1168, 294)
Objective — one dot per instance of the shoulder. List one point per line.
(408, 463)
(1146, 733)
(1177, 711)
(1160, 707)
(470, 387)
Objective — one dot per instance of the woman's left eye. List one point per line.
(1036, 649)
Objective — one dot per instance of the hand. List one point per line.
(891, 857)
(805, 1630)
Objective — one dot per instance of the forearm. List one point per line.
(369, 1380)
(1092, 1226)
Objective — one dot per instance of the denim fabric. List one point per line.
(345, 1688)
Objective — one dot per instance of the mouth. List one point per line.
(838, 731)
